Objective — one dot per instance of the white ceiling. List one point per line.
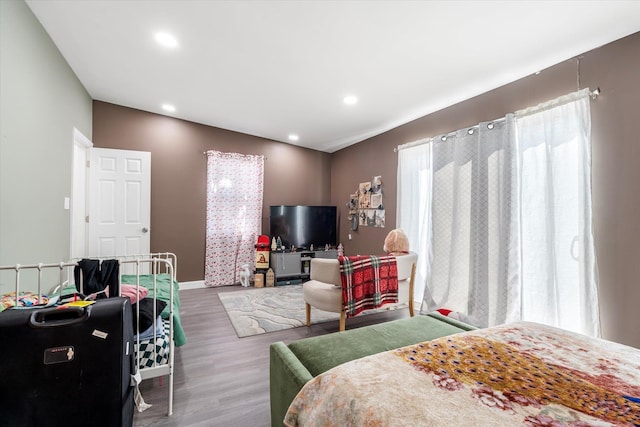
(272, 68)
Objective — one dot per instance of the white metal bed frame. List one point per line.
(153, 264)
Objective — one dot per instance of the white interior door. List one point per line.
(119, 202)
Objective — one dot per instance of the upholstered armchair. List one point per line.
(324, 289)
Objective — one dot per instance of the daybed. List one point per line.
(293, 365)
(150, 283)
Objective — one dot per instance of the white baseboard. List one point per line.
(196, 284)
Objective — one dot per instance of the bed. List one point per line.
(294, 364)
(517, 374)
(149, 281)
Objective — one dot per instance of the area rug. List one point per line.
(256, 311)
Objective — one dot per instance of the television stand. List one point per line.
(292, 268)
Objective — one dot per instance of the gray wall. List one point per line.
(41, 101)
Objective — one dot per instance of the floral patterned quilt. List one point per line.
(517, 374)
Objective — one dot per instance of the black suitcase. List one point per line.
(67, 367)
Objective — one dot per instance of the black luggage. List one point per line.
(67, 367)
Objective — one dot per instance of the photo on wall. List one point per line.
(362, 218)
(364, 201)
(374, 218)
(364, 187)
(364, 198)
(353, 203)
(376, 201)
(376, 185)
(365, 206)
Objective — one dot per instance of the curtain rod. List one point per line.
(265, 157)
(443, 137)
(592, 94)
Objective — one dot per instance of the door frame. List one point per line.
(79, 190)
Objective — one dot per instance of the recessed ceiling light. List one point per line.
(166, 39)
(350, 100)
(293, 137)
(169, 108)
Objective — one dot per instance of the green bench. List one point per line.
(292, 365)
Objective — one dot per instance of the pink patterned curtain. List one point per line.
(234, 215)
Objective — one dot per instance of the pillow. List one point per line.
(146, 312)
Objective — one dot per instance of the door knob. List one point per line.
(145, 230)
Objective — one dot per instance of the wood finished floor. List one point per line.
(220, 379)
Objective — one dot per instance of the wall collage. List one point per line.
(365, 205)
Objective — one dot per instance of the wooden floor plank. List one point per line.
(220, 379)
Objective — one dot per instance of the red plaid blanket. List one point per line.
(368, 281)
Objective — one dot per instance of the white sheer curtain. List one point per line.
(413, 211)
(559, 275)
(234, 214)
(500, 215)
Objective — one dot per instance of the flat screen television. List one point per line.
(303, 226)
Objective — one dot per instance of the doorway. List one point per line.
(110, 201)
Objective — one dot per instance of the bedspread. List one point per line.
(518, 374)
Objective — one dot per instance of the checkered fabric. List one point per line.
(146, 349)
